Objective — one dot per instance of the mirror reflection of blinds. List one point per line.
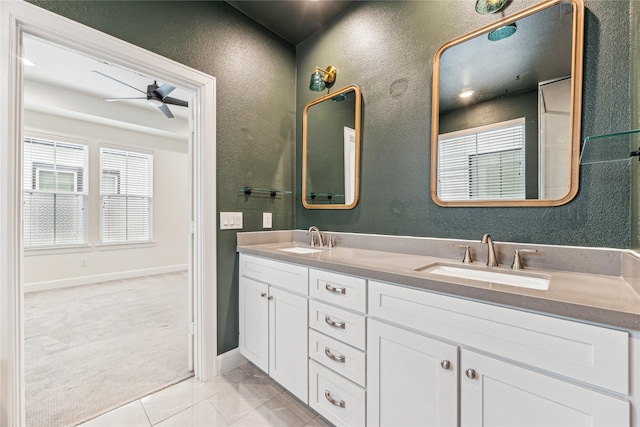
(483, 165)
(126, 190)
(55, 193)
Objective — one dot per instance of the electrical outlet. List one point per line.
(267, 220)
(84, 262)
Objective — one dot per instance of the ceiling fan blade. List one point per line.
(175, 101)
(114, 79)
(166, 111)
(164, 90)
(122, 99)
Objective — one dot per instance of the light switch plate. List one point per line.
(230, 220)
(267, 220)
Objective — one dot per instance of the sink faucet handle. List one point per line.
(332, 241)
(467, 253)
(517, 260)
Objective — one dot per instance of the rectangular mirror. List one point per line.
(506, 110)
(331, 150)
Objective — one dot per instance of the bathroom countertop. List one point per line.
(608, 300)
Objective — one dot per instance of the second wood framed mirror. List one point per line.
(506, 110)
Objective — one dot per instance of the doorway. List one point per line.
(105, 213)
(18, 19)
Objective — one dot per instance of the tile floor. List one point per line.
(244, 396)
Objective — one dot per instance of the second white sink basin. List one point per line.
(520, 279)
(301, 250)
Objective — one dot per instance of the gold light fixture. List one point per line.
(490, 6)
(322, 79)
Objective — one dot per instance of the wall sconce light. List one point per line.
(490, 6)
(320, 82)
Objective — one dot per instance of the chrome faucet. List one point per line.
(492, 261)
(313, 229)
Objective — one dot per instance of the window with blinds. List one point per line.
(55, 193)
(126, 190)
(483, 163)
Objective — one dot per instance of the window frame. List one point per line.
(114, 244)
(81, 186)
(474, 133)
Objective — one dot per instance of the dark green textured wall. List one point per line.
(255, 112)
(635, 111)
(387, 48)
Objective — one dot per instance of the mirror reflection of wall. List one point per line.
(528, 77)
(331, 150)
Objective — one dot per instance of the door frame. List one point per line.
(16, 18)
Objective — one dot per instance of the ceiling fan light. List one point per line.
(155, 102)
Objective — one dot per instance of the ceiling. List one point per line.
(539, 51)
(293, 20)
(63, 83)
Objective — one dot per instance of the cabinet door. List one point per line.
(254, 318)
(412, 380)
(288, 350)
(497, 393)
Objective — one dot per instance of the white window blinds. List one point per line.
(126, 190)
(483, 164)
(55, 193)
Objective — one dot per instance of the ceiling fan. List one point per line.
(155, 95)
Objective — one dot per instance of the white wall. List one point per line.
(45, 269)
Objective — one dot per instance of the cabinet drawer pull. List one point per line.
(330, 322)
(471, 373)
(332, 356)
(330, 288)
(339, 403)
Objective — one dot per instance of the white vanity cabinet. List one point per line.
(515, 368)
(363, 352)
(412, 380)
(494, 392)
(337, 347)
(273, 310)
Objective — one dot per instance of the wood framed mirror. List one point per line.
(514, 140)
(331, 150)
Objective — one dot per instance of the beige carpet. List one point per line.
(93, 348)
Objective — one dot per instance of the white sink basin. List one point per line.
(300, 250)
(484, 274)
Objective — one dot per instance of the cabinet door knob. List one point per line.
(446, 365)
(330, 322)
(270, 298)
(263, 294)
(332, 356)
(335, 290)
(471, 373)
(339, 403)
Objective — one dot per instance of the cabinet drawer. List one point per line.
(338, 323)
(276, 273)
(335, 398)
(592, 354)
(336, 355)
(346, 291)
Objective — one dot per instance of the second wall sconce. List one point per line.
(322, 79)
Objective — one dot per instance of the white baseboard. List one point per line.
(230, 360)
(98, 278)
